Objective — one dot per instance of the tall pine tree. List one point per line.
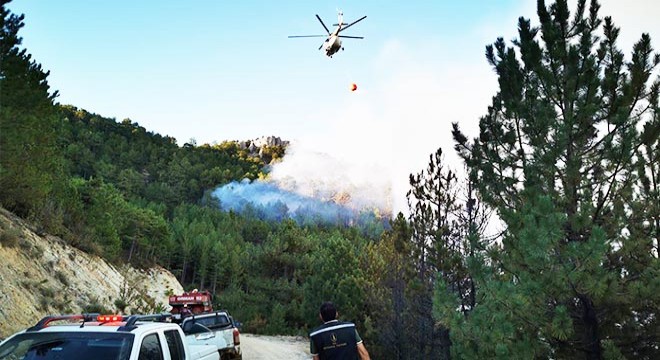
(563, 159)
(29, 160)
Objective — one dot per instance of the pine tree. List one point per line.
(433, 204)
(446, 234)
(390, 268)
(561, 158)
(29, 160)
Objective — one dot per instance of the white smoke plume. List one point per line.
(312, 187)
(269, 202)
(371, 140)
(310, 173)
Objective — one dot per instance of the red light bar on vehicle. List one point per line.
(48, 319)
(109, 318)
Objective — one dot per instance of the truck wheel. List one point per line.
(230, 356)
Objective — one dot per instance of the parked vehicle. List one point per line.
(108, 337)
(196, 302)
(227, 336)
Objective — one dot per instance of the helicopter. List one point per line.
(332, 43)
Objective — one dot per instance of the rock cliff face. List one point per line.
(256, 147)
(41, 275)
(256, 144)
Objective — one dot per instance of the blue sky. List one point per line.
(225, 70)
(196, 69)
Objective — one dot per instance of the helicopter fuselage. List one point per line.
(332, 45)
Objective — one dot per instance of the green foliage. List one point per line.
(133, 299)
(62, 278)
(389, 328)
(10, 237)
(121, 305)
(561, 158)
(94, 306)
(146, 165)
(272, 153)
(276, 323)
(337, 277)
(29, 163)
(33, 251)
(445, 233)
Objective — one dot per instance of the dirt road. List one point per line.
(259, 347)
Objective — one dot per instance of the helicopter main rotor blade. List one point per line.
(325, 27)
(351, 37)
(300, 36)
(353, 23)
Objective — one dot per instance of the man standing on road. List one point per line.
(336, 340)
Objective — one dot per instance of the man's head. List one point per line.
(328, 311)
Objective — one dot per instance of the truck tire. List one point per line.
(230, 356)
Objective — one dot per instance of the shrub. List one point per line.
(47, 292)
(10, 237)
(61, 277)
(95, 307)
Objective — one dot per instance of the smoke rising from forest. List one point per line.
(269, 202)
(311, 187)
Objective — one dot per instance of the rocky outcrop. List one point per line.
(41, 275)
(256, 144)
(256, 147)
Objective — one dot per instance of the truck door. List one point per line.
(150, 349)
(175, 345)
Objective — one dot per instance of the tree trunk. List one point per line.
(398, 304)
(130, 252)
(444, 340)
(215, 279)
(590, 337)
(183, 268)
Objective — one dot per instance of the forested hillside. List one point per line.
(566, 167)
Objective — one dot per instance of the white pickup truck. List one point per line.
(227, 336)
(99, 337)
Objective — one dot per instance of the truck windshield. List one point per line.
(67, 345)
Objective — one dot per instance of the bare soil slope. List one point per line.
(41, 275)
